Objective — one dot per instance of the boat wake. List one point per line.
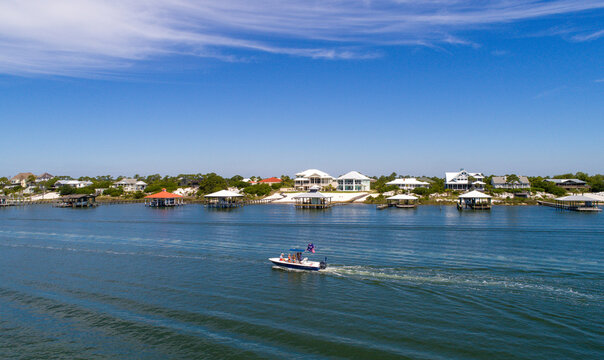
(453, 278)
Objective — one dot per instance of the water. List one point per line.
(125, 281)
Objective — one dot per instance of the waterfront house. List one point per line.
(408, 184)
(402, 201)
(462, 180)
(21, 179)
(224, 199)
(163, 199)
(130, 185)
(44, 177)
(270, 181)
(77, 200)
(73, 183)
(569, 184)
(312, 177)
(354, 181)
(313, 199)
(474, 200)
(501, 182)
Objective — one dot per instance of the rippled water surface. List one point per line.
(125, 281)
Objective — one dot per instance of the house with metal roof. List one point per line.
(501, 182)
(569, 184)
(73, 183)
(408, 184)
(130, 185)
(463, 180)
(354, 181)
(312, 177)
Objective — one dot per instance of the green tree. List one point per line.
(258, 189)
(31, 179)
(66, 190)
(211, 183)
(512, 178)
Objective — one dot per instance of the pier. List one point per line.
(573, 203)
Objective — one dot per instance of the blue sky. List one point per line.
(276, 87)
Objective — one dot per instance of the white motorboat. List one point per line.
(297, 262)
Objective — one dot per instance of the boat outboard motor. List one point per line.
(323, 264)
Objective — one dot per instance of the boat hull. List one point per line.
(308, 265)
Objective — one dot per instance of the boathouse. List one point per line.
(313, 199)
(577, 203)
(402, 201)
(224, 199)
(474, 200)
(164, 199)
(77, 200)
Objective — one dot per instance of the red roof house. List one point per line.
(270, 181)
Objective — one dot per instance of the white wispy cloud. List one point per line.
(589, 36)
(83, 37)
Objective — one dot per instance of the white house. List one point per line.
(408, 183)
(306, 179)
(130, 185)
(354, 181)
(461, 180)
(73, 183)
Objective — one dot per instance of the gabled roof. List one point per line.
(271, 180)
(126, 181)
(46, 175)
(224, 194)
(21, 176)
(502, 180)
(163, 194)
(140, 183)
(312, 194)
(452, 177)
(595, 197)
(314, 173)
(407, 181)
(355, 175)
(575, 198)
(474, 195)
(565, 181)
